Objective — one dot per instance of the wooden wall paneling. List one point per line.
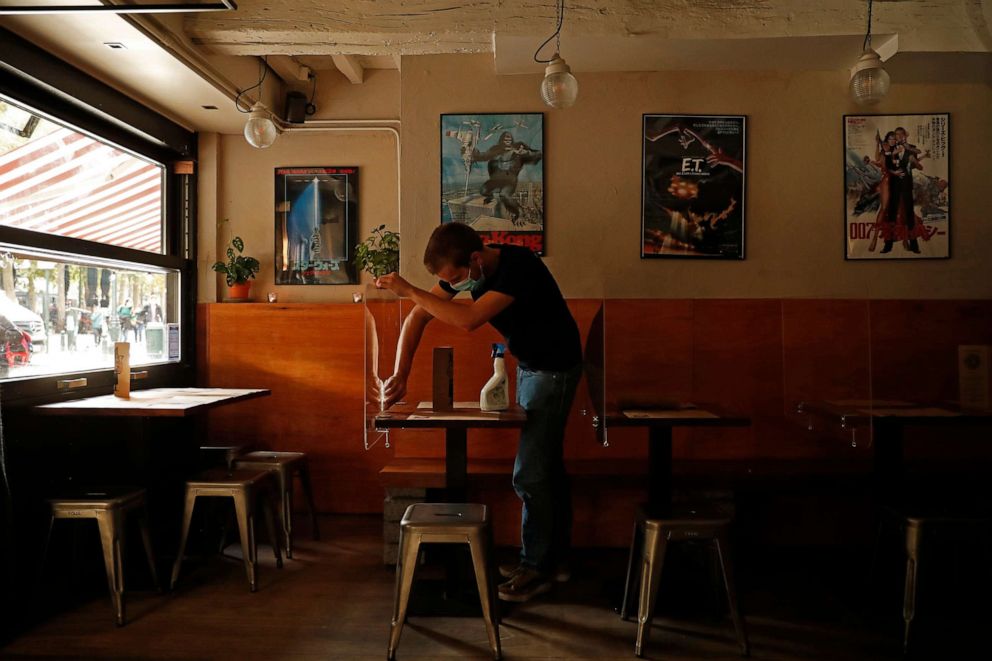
(737, 365)
(649, 346)
(311, 357)
(914, 346)
(826, 349)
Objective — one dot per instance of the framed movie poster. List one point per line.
(316, 225)
(897, 186)
(692, 193)
(492, 176)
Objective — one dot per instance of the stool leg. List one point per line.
(246, 528)
(308, 494)
(630, 584)
(44, 549)
(406, 564)
(109, 522)
(914, 532)
(653, 559)
(286, 502)
(726, 564)
(147, 541)
(187, 518)
(478, 545)
(270, 524)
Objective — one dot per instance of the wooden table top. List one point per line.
(683, 415)
(855, 412)
(464, 415)
(154, 402)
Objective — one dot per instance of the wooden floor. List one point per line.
(334, 600)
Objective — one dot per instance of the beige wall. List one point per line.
(794, 204)
(236, 193)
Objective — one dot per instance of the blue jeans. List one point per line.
(539, 476)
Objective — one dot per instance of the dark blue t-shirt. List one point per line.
(538, 326)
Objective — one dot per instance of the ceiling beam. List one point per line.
(287, 68)
(350, 67)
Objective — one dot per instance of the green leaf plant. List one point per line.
(380, 253)
(239, 268)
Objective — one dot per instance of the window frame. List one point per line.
(55, 89)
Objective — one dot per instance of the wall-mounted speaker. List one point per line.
(296, 107)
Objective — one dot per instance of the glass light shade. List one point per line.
(559, 89)
(869, 81)
(260, 131)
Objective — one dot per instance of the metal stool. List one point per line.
(445, 523)
(246, 488)
(686, 525)
(214, 456)
(915, 527)
(108, 507)
(285, 465)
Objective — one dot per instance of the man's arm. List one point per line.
(467, 317)
(406, 347)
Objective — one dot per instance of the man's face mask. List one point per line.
(469, 283)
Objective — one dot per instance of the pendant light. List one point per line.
(260, 130)
(559, 89)
(869, 80)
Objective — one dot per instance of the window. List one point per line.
(96, 230)
(57, 180)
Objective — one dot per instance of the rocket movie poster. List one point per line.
(316, 225)
(492, 176)
(692, 194)
(897, 190)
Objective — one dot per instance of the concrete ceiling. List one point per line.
(178, 63)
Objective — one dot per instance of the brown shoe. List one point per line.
(524, 585)
(561, 574)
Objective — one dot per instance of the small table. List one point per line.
(153, 403)
(660, 423)
(455, 423)
(887, 421)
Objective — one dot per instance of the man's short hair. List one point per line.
(451, 244)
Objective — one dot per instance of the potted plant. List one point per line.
(380, 253)
(238, 270)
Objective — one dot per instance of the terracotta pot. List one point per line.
(238, 291)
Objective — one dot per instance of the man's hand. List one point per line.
(393, 389)
(394, 283)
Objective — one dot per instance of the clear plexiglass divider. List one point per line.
(827, 369)
(383, 320)
(594, 353)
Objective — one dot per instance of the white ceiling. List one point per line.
(180, 63)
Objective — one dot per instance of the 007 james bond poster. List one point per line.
(897, 186)
(693, 188)
(492, 176)
(316, 225)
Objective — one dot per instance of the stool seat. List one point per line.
(686, 523)
(245, 487)
(446, 523)
(271, 458)
(108, 506)
(284, 465)
(221, 478)
(102, 498)
(449, 517)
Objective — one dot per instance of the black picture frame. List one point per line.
(316, 225)
(876, 225)
(693, 186)
(497, 190)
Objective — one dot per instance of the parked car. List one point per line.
(15, 344)
(24, 319)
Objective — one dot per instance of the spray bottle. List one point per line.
(495, 394)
